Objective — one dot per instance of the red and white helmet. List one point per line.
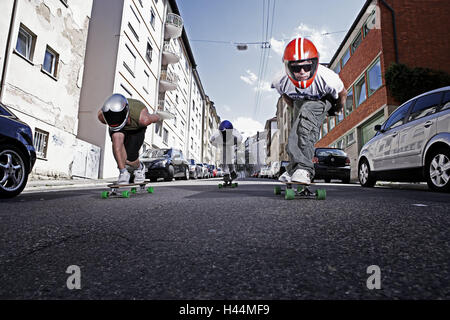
(298, 50)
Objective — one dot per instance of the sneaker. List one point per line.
(124, 178)
(285, 177)
(139, 174)
(302, 176)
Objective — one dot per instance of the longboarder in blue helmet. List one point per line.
(226, 138)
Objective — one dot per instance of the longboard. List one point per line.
(114, 189)
(228, 183)
(302, 191)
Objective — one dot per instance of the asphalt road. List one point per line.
(192, 240)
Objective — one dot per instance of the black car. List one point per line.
(165, 163)
(17, 153)
(331, 163)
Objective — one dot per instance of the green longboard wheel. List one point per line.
(290, 194)
(234, 185)
(105, 195)
(300, 188)
(321, 194)
(125, 194)
(133, 190)
(277, 190)
(150, 190)
(220, 186)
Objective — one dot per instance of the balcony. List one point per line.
(169, 55)
(174, 26)
(167, 81)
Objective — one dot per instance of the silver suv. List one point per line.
(413, 144)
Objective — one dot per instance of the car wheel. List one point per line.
(13, 171)
(366, 179)
(195, 175)
(186, 174)
(170, 173)
(437, 170)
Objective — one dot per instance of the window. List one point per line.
(339, 144)
(165, 136)
(356, 42)
(345, 57)
(134, 24)
(339, 118)
(337, 69)
(370, 23)
(157, 129)
(425, 106)
(350, 138)
(374, 77)
(446, 102)
(332, 123)
(349, 102)
(126, 92)
(396, 118)
(129, 60)
(146, 81)
(148, 52)
(152, 18)
(40, 143)
(325, 127)
(25, 43)
(51, 60)
(360, 91)
(176, 98)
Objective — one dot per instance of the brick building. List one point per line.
(411, 32)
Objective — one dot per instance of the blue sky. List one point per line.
(234, 79)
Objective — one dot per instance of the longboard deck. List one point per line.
(301, 192)
(300, 183)
(126, 194)
(115, 185)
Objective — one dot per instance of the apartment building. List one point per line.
(42, 53)
(273, 141)
(210, 125)
(128, 50)
(410, 32)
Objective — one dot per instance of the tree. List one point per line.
(405, 83)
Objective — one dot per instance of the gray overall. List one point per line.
(308, 117)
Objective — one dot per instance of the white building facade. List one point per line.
(42, 53)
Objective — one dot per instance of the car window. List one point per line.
(5, 112)
(333, 152)
(397, 117)
(425, 106)
(446, 102)
(155, 153)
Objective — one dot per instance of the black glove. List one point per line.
(336, 107)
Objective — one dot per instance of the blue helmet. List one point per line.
(225, 124)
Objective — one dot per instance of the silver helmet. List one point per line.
(115, 111)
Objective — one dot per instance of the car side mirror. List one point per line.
(378, 127)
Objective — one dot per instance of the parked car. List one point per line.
(208, 171)
(331, 163)
(167, 163)
(204, 173)
(263, 172)
(17, 153)
(412, 145)
(195, 171)
(213, 170)
(219, 172)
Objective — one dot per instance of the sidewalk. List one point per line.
(35, 184)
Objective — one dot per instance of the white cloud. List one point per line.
(250, 78)
(325, 44)
(227, 108)
(264, 87)
(247, 126)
